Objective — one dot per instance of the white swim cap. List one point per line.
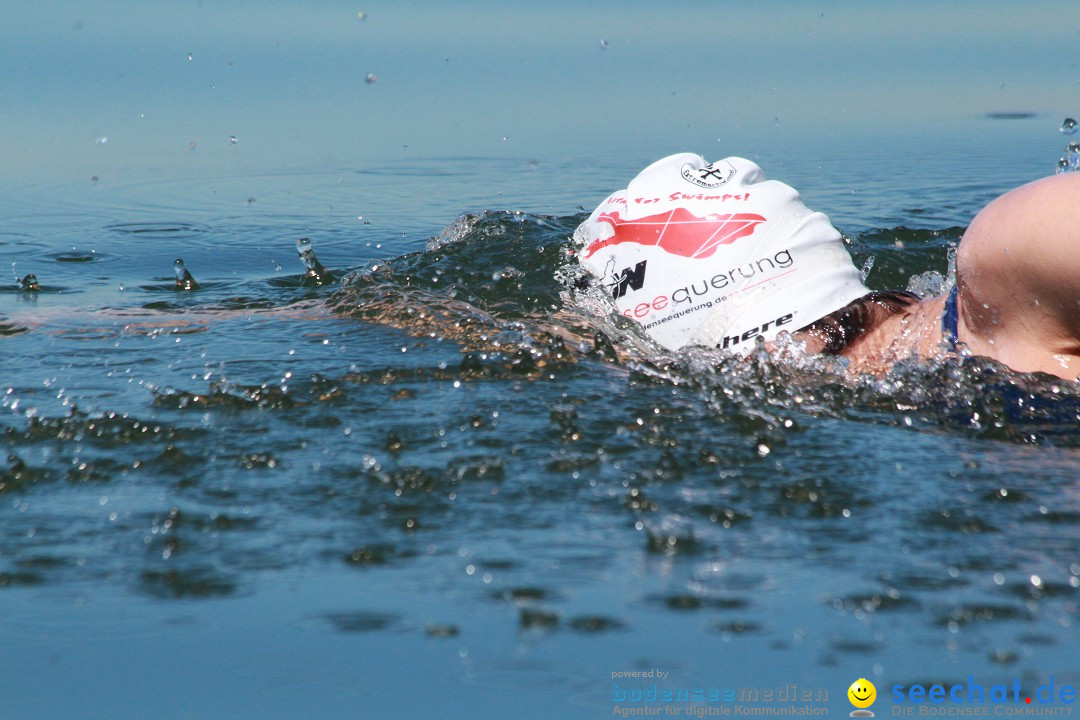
(715, 254)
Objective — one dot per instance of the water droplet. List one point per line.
(190, 57)
(102, 140)
(506, 138)
(603, 44)
(1062, 165)
(184, 278)
(232, 139)
(371, 78)
(361, 16)
(1068, 126)
(867, 267)
(315, 269)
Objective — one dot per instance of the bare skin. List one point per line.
(142, 321)
(1018, 278)
(916, 331)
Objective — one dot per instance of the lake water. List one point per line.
(445, 486)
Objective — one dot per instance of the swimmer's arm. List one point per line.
(143, 321)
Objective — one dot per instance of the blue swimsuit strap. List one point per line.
(949, 320)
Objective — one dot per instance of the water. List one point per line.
(440, 483)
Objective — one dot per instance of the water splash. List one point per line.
(1070, 161)
(184, 279)
(315, 271)
(515, 311)
(927, 284)
(866, 268)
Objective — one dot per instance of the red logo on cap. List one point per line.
(678, 232)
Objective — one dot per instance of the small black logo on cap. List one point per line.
(628, 279)
(710, 176)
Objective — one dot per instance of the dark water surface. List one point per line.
(442, 485)
(433, 487)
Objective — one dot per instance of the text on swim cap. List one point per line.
(781, 260)
(755, 331)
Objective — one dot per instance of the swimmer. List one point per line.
(149, 321)
(713, 254)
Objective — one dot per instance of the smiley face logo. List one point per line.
(862, 694)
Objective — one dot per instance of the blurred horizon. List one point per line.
(122, 86)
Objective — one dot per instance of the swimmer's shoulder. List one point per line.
(1018, 270)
